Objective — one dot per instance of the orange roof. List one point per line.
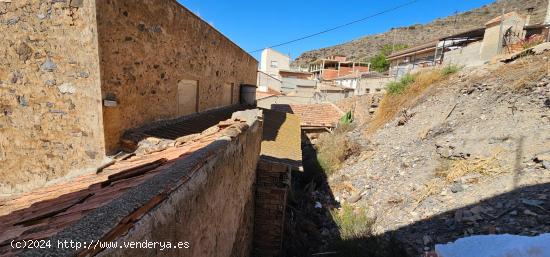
(270, 92)
(313, 115)
(47, 211)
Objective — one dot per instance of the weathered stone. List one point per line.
(91, 154)
(24, 51)
(48, 65)
(456, 188)
(67, 88)
(84, 74)
(77, 3)
(22, 101)
(6, 110)
(13, 21)
(50, 82)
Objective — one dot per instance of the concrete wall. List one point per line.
(269, 56)
(266, 82)
(348, 83)
(50, 98)
(147, 47)
(489, 48)
(268, 101)
(372, 85)
(466, 56)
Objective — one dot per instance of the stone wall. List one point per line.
(205, 199)
(147, 47)
(153, 59)
(50, 112)
(213, 210)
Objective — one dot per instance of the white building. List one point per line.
(270, 64)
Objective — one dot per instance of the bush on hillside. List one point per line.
(379, 62)
(403, 95)
(334, 149)
(398, 87)
(450, 69)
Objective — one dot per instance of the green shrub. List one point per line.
(346, 119)
(448, 70)
(379, 62)
(398, 87)
(352, 223)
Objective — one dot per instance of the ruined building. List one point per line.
(76, 74)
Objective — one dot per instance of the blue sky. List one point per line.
(255, 24)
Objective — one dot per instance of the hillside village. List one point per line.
(431, 144)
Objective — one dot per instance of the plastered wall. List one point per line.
(50, 112)
(147, 47)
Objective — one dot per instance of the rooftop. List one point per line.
(330, 87)
(270, 92)
(412, 50)
(282, 138)
(325, 115)
(498, 18)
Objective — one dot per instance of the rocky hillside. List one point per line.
(366, 47)
(468, 155)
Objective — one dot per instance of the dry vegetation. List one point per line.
(456, 169)
(453, 170)
(352, 222)
(406, 94)
(333, 149)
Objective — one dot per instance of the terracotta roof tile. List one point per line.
(313, 115)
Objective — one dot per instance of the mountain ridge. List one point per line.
(364, 48)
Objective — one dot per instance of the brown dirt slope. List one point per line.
(473, 158)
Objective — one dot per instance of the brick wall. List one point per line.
(273, 183)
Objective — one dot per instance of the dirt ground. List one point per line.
(472, 157)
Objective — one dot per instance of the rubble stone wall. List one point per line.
(147, 47)
(213, 210)
(50, 98)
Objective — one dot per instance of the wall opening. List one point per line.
(188, 96)
(227, 94)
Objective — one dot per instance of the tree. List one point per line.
(379, 62)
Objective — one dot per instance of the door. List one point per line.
(227, 94)
(187, 97)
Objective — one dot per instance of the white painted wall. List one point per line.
(272, 62)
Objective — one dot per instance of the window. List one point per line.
(274, 64)
(378, 89)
